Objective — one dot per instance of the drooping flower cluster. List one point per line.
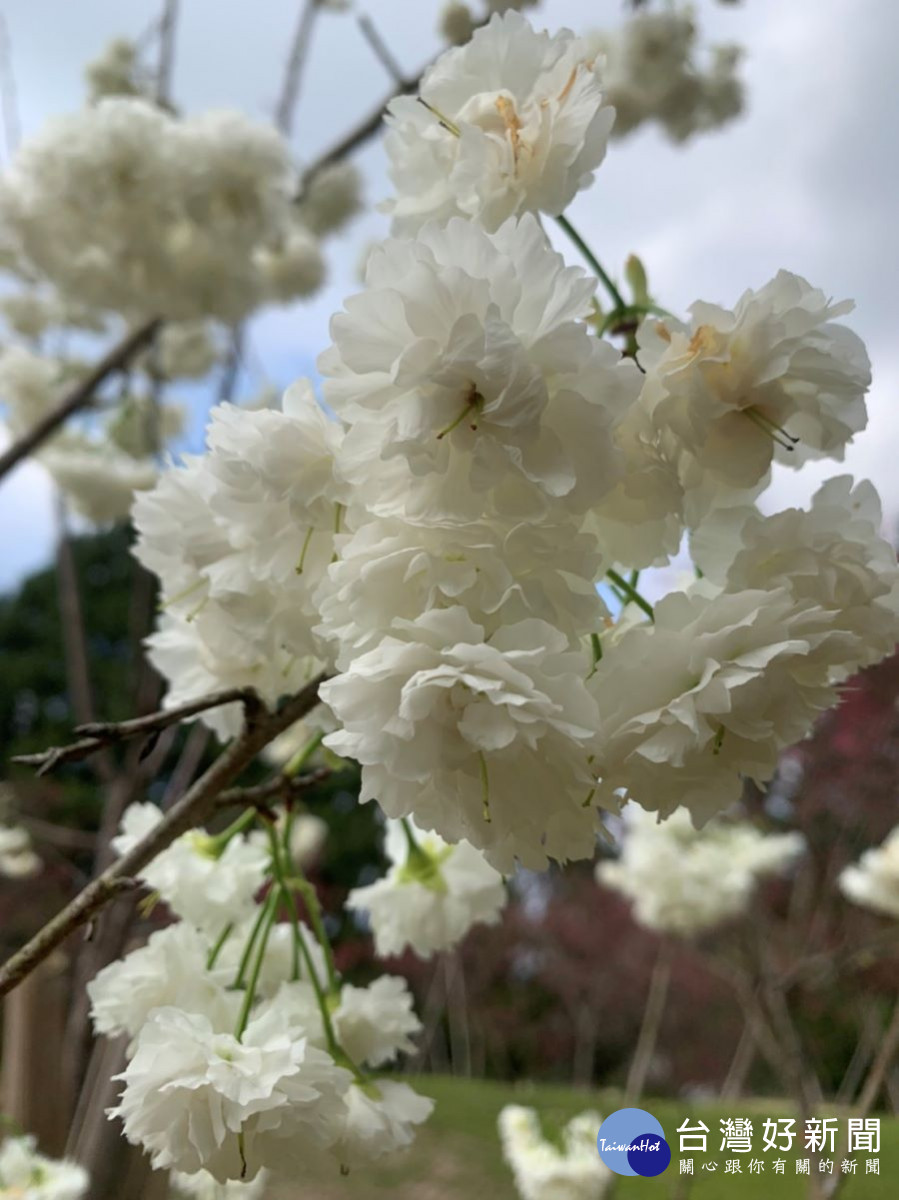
(493, 461)
(686, 881)
(30, 1175)
(126, 211)
(136, 211)
(546, 1171)
(874, 880)
(247, 1052)
(431, 896)
(653, 72)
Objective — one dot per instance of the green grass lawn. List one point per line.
(457, 1154)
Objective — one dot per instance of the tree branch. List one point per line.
(293, 73)
(279, 787)
(167, 25)
(80, 396)
(198, 802)
(98, 733)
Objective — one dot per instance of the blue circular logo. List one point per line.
(632, 1142)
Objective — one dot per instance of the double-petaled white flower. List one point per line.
(470, 383)
(544, 1170)
(240, 539)
(487, 741)
(390, 571)
(379, 1119)
(684, 880)
(32, 1176)
(431, 896)
(512, 122)
(709, 693)
(203, 881)
(833, 556)
(17, 857)
(776, 379)
(169, 971)
(376, 1023)
(197, 1099)
(873, 881)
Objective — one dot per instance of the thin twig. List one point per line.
(285, 110)
(186, 767)
(12, 124)
(167, 24)
(80, 396)
(369, 126)
(279, 787)
(56, 835)
(382, 51)
(98, 733)
(192, 809)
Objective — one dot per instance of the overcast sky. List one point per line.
(806, 180)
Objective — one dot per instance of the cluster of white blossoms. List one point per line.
(431, 896)
(134, 210)
(29, 1175)
(126, 211)
(246, 1050)
(239, 538)
(99, 469)
(686, 881)
(545, 1171)
(437, 540)
(873, 881)
(653, 71)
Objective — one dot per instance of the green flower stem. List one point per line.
(416, 857)
(220, 840)
(269, 912)
(307, 891)
(596, 648)
(219, 942)
(631, 592)
(303, 755)
(251, 941)
(300, 948)
(285, 887)
(605, 278)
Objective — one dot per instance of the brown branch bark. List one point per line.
(99, 734)
(193, 808)
(279, 787)
(80, 396)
